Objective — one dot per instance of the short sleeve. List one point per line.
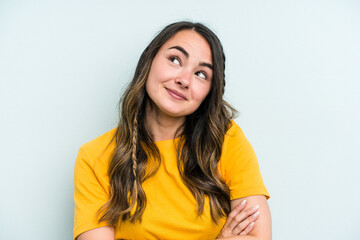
(239, 166)
(90, 194)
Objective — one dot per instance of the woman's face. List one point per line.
(180, 75)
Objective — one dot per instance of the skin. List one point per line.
(260, 230)
(179, 80)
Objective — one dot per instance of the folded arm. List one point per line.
(103, 233)
(261, 228)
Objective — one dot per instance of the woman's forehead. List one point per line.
(192, 42)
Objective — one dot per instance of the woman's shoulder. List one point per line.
(100, 141)
(236, 143)
(100, 147)
(234, 132)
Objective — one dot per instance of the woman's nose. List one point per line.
(183, 79)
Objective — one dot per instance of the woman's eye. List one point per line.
(175, 60)
(201, 74)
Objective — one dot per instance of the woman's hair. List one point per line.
(136, 157)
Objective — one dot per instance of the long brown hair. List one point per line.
(137, 158)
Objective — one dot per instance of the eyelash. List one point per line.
(172, 58)
(205, 76)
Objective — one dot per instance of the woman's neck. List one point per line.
(162, 126)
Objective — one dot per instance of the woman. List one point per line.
(177, 166)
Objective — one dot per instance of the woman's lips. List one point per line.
(176, 94)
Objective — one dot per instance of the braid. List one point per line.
(134, 160)
(134, 142)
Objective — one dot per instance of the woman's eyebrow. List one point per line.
(187, 56)
(207, 65)
(181, 50)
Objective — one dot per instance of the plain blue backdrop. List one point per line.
(292, 72)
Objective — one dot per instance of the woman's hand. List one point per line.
(240, 221)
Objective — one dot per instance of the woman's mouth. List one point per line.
(175, 94)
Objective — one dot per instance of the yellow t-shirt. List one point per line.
(171, 208)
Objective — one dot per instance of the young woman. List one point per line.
(177, 166)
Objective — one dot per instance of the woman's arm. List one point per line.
(103, 233)
(262, 227)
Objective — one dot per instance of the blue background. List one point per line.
(292, 72)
